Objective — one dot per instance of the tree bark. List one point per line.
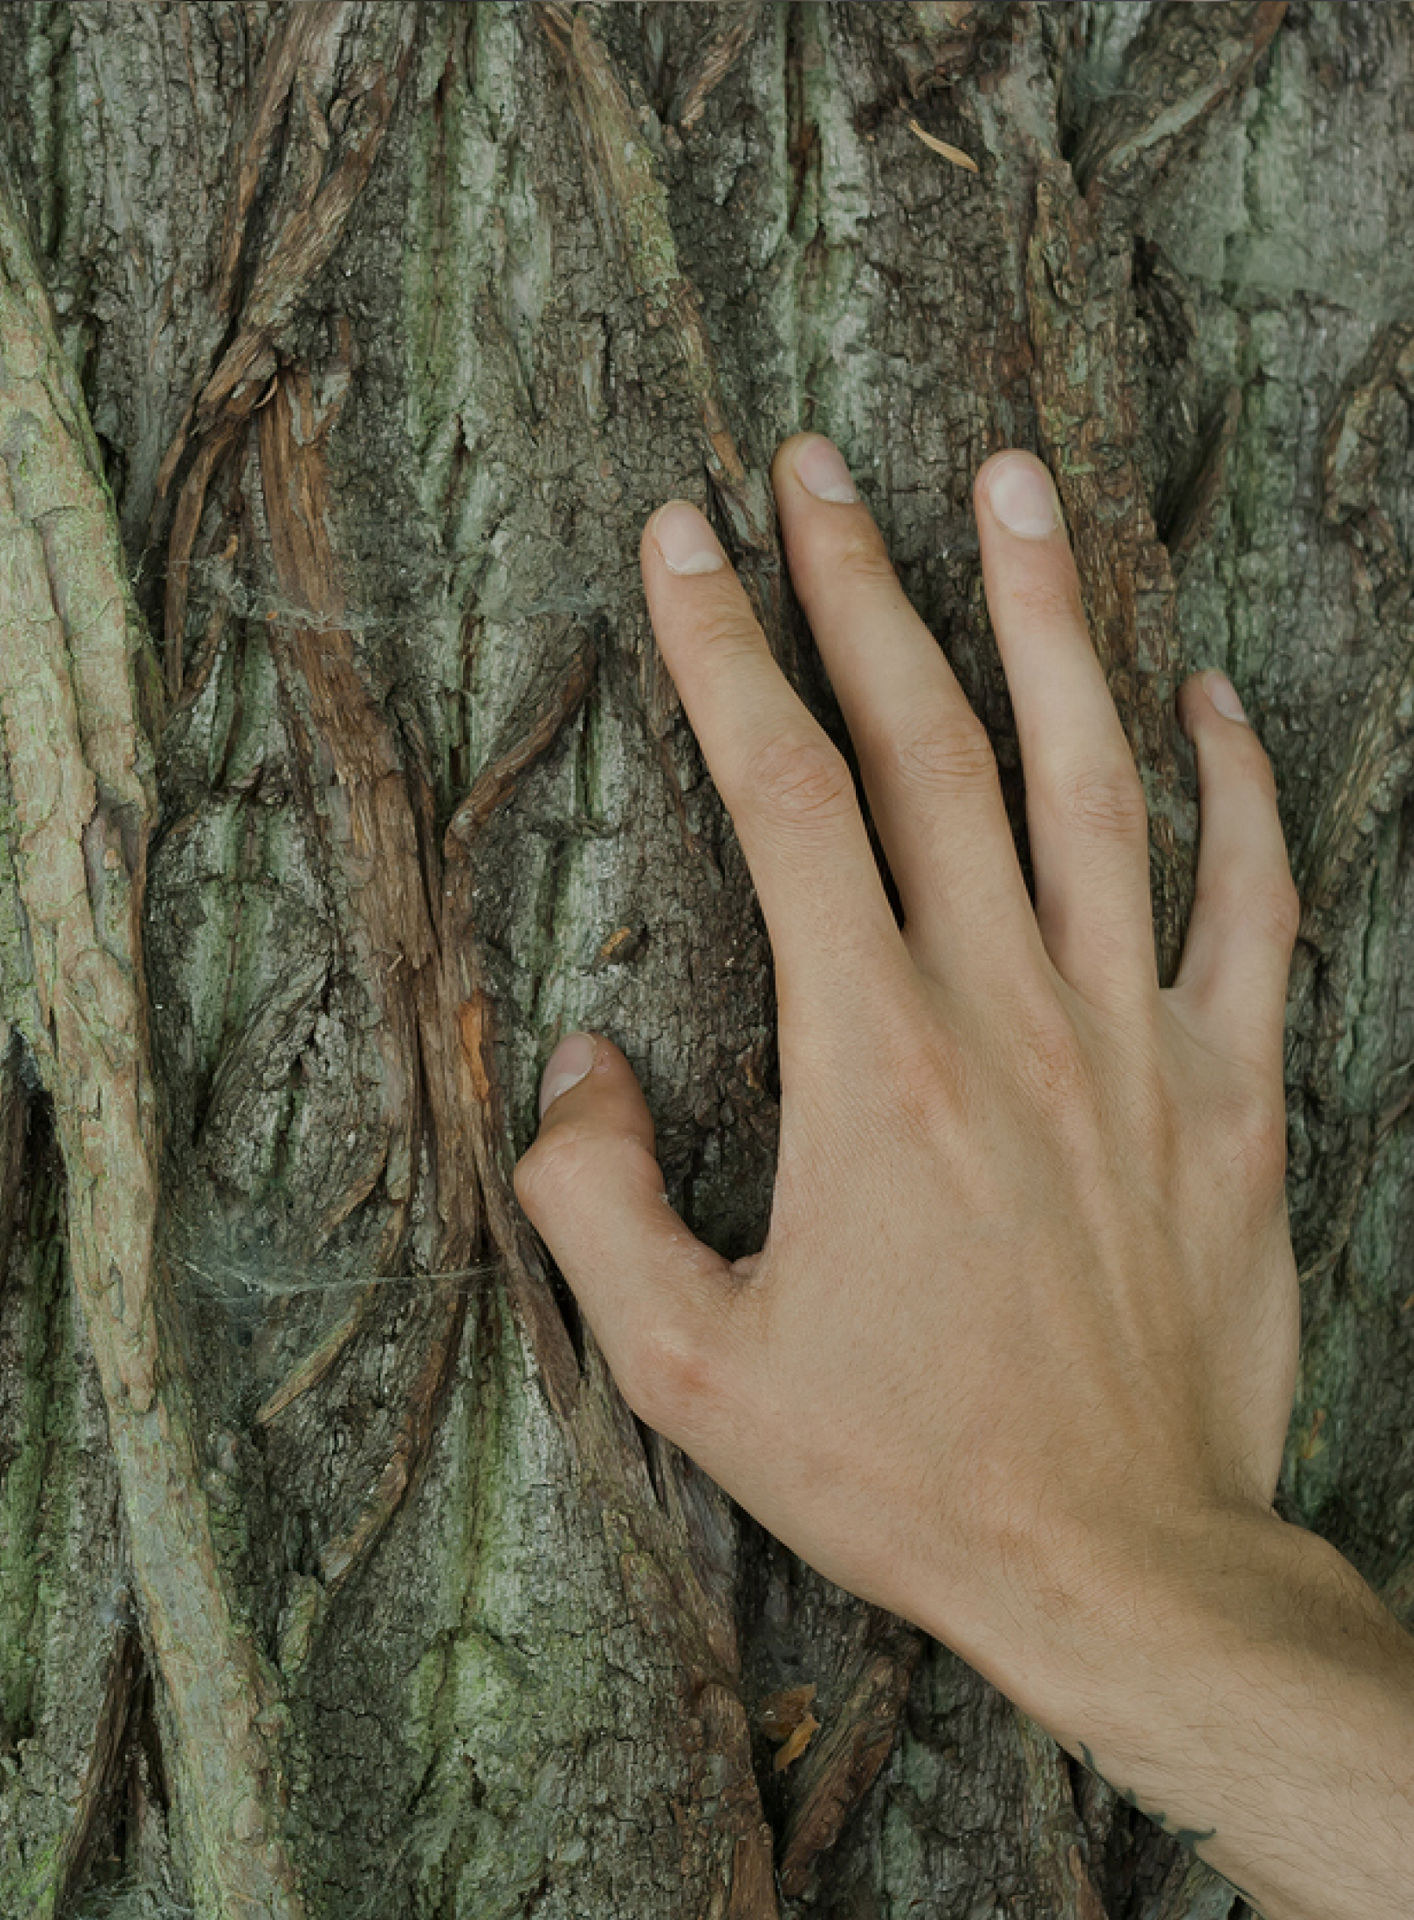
(344, 348)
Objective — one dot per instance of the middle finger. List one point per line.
(927, 764)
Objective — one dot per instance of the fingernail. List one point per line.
(1223, 695)
(1023, 497)
(820, 469)
(686, 542)
(566, 1067)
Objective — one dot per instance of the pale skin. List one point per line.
(1017, 1357)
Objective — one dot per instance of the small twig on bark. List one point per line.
(340, 1556)
(312, 1369)
(955, 154)
(498, 782)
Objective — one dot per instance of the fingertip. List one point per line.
(680, 535)
(784, 458)
(589, 1082)
(1015, 489)
(572, 1059)
(1222, 695)
(814, 463)
(1206, 693)
(982, 478)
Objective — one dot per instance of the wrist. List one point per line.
(1114, 1615)
(1228, 1648)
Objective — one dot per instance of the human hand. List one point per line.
(1027, 1305)
(1017, 1358)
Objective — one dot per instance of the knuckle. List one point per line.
(564, 1159)
(1243, 771)
(1153, 1126)
(1269, 905)
(1054, 1066)
(861, 556)
(551, 1161)
(1261, 772)
(801, 780)
(1104, 802)
(942, 756)
(1254, 1140)
(665, 1377)
(1050, 602)
(923, 1078)
(1273, 908)
(723, 627)
(1252, 756)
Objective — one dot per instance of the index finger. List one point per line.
(786, 786)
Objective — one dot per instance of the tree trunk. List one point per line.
(339, 776)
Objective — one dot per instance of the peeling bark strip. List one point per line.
(357, 792)
(79, 775)
(329, 153)
(12, 1127)
(421, 973)
(1055, 1832)
(673, 1537)
(103, 1775)
(713, 64)
(634, 203)
(843, 1764)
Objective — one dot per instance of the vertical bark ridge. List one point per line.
(1362, 443)
(80, 779)
(632, 202)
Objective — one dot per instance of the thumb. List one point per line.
(654, 1295)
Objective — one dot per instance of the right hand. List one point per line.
(1027, 1305)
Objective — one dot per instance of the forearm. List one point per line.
(1249, 1692)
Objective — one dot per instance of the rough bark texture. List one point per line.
(334, 1578)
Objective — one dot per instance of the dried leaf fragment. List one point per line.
(797, 1743)
(783, 1712)
(623, 944)
(955, 154)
